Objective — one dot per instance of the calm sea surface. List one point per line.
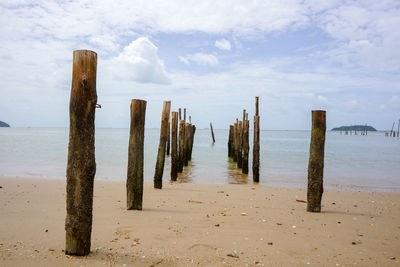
(351, 161)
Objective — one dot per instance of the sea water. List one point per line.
(352, 162)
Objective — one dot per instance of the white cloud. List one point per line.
(139, 62)
(200, 58)
(223, 44)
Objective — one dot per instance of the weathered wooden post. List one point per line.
(212, 132)
(186, 144)
(180, 115)
(234, 151)
(161, 147)
(81, 166)
(316, 161)
(230, 141)
(181, 144)
(398, 128)
(174, 146)
(192, 141)
(256, 145)
(134, 182)
(168, 138)
(240, 145)
(245, 161)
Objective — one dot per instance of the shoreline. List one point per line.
(193, 224)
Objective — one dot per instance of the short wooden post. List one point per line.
(181, 144)
(174, 146)
(161, 147)
(316, 161)
(134, 182)
(240, 145)
(212, 132)
(168, 138)
(230, 141)
(81, 166)
(245, 161)
(256, 145)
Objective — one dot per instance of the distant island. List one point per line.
(354, 128)
(3, 124)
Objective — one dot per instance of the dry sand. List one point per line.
(191, 224)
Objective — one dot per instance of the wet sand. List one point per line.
(193, 224)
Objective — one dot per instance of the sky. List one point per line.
(211, 57)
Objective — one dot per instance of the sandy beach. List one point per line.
(192, 224)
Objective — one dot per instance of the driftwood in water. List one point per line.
(134, 182)
(316, 161)
(212, 132)
(181, 144)
(162, 145)
(245, 160)
(81, 166)
(256, 145)
(168, 138)
(174, 146)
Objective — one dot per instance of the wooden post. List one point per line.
(398, 128)
(180, 117)
(316, 161)
(168, 138)
(230, 141)
(192, 141)
(212, 132)
(184, 114)
(256, 145)
(186, 144)
(81, 166)
(134, 182)
(161, 147)
(240, 145)
(245, 161)
(174, 146)
(181, 144)
(234, 141)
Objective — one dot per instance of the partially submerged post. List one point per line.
(81, 166)
(134, 182)
(174, 146)
(398, 128)
(256, 145)
(230, 141)
(168, 138)
(316, 161)
(181, 144)
(161, 147)
(212, 132)
(186, 144)
(193, 131)
(245, 161)
(234, 143)
(239, 151)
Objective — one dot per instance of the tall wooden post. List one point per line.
(240, 145)
(186, 145)
(180, 115)
(184, 114)
(134, 182)
(212, 132)
(181, 144)
(234, 151)
(168, 138)
(245, 161)
(161, 147)
(398, 128)
(192, 141)
(81, 166)
(316, 161)
(230, 141)
(256, 145)
(174, 146)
